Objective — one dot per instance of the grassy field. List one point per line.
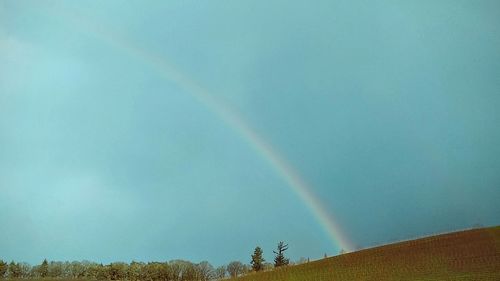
(466, 255)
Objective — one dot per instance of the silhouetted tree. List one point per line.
(280, 259)
(257, 259)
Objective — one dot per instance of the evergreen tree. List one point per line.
(280, 259)
(257, 259)
(44, 269)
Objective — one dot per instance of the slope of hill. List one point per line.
(464, 255)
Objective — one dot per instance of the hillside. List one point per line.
(465, 255)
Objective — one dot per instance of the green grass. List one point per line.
(466, 255)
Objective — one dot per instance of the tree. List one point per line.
(34, 272)
(3, 268)
(235, 268)
(175, 269)
(134, 271)
(101, 271)
(247, 268)
(66, 269)
(164, 271)
(78, 269)
(150, 272)
(55, 269)
(220, 272)
(14, 270)
(44, 269)
(189, 271)
(24, 270)
(116, 271)
(205, 271)
(257, 259)
(280, 259)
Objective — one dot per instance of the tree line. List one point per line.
(175, 270)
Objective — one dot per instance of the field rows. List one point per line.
(467, 255)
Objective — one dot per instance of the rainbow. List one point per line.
(234, 120)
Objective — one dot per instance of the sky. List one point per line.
(161, 130)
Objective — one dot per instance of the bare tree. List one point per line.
(220, 272)
(235, 268)
(25, 269)
(205, 271)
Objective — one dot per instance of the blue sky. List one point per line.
(389, 110)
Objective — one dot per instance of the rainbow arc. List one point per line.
(231, 118)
